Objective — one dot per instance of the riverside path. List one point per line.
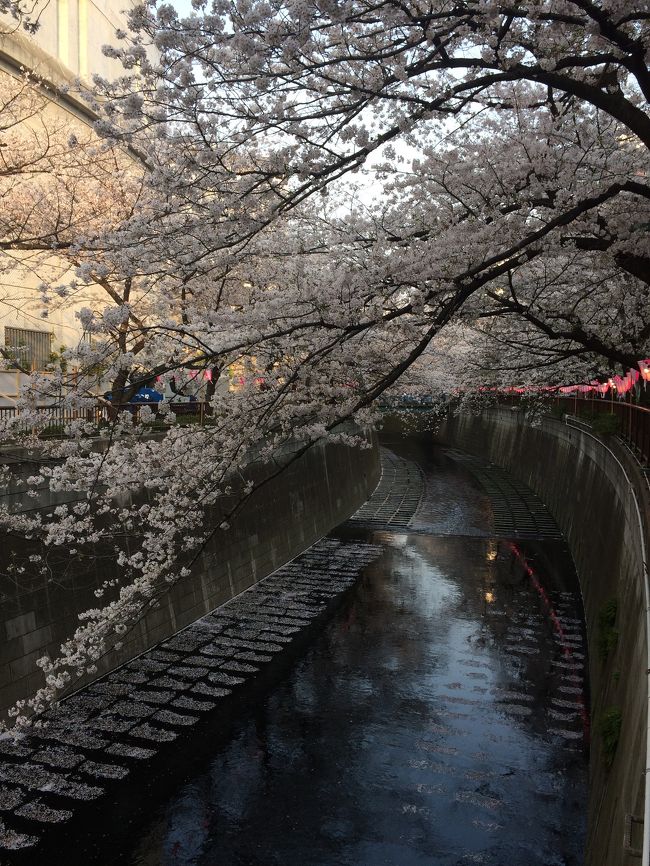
(438, 717)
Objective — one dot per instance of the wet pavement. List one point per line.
(439, 719)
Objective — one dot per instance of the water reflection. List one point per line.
(430, 724)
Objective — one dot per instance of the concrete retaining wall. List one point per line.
(587, 493)
(283, 517)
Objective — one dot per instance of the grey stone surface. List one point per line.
(267, 533)
(37, 811)
(10, 840)
(397, 495)
(89, 741)
(123, 750)
(10, 798)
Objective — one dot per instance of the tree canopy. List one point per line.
(343, 195)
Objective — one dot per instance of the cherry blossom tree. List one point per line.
(20, 15)
(530, 123)
(507, 148)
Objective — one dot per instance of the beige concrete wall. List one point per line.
(21, 306)
(69, 40)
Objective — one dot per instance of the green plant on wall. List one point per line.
(607, 632)
(555, 410)
(604, 423)
(58, 361)
(609, 728)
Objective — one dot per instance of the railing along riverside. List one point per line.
(633, 420)
(57, 417)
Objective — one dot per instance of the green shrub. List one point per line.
(51, 430)
(609, 727)
(603, 423)
(607, 633)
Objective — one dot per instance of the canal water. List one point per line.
(440, 719)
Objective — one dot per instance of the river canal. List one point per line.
(440, 718)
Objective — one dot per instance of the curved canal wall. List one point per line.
(287, 514)
(588, 494)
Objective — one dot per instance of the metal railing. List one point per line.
(54, 419)
(624, 418)
(633, 420)
(51, 418)
(198, 410)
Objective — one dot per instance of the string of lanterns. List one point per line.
(618, 385)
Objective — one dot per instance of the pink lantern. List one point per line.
(644, 367)
(623, 384)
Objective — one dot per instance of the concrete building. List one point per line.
(67, 46)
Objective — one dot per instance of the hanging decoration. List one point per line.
(644, 367)
(615, 385)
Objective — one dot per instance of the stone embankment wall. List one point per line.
(586, 491)
(284, 516)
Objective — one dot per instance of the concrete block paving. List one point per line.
(396, 497)
(87, 743)
(517, 511)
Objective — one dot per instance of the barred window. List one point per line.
(29, 349)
